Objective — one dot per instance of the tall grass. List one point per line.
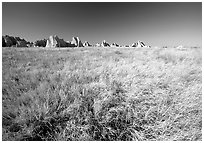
(102, 94)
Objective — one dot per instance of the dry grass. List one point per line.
(102, 94)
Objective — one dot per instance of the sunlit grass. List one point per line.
(102, 94)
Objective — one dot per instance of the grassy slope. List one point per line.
(102, 94)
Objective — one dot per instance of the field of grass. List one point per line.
(102, 94)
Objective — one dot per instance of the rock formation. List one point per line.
(10, 41)
(134, 45)
(21, 44)
(77, 42)
(139, 44)
(114, 45)
(86, 44)
(69, 44)
(98, 45)
(3, 42)
(105, 44)
(31, 44)
(40, 43)
(55, 41)
(52, 41)
(14, 40)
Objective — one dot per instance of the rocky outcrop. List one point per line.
(31, 44)
(134, 45)
(55, 41)
(52, 42)
(114, 45)
(3, 42)
(40, 43)
(10, 41)
(69, 44)
(105, 44)
(98, 45)
(21, 44)
(86, 44)
(77, 42)
(139, 44)
(15, 39)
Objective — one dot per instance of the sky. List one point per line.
(154, 23)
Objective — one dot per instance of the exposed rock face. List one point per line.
(3, 42)
(114, 45)
(86, 44)
(77, 42)
(52, 42)
(10, 41)
(30, 44)
(98, 45)
(134, 45)
(69, 44)
(14, 40)
(55, 41)
(21, 44)
(40, 43)
(105, 44)
(62, 43)
(139, 44)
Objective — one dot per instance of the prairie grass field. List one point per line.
(102, 94)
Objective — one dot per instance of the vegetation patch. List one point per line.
(102, 94)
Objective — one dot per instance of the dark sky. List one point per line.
(157, 24)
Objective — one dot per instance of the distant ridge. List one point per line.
(11, 41)
(54, 41)
(139, 44)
